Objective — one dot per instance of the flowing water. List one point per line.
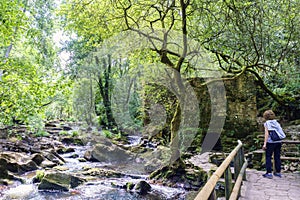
(97, 189)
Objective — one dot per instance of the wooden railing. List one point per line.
(231, 192)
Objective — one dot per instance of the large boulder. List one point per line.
(108, 152)
(22, 167)
(5, 174)
(59, 181)
(17, 162)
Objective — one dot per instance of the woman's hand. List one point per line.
(264, 147)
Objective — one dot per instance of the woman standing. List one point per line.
(271, 146)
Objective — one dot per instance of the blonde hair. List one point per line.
(269, 115)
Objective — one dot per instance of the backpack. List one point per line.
(275, 131)
(274, 136)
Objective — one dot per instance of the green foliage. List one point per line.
(41, 133)
(256, 36)
(259, 37)
(11, 18)
(119, 136)
(71, 133)
(61, 101)
(107, 133)
(231, 133)
(75, 133)
(63, 133)
(35, 124)
(126, 103)
(83, 101)
(134, 108)
(39, 175)
(29, 81)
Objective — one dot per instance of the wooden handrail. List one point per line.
(209, 187)
(238, 183)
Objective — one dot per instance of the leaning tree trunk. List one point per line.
(175, 142)
(177, 121)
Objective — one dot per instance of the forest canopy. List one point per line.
(260, 38)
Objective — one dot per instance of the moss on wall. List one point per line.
(241, 107)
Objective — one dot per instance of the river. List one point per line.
(99, 187)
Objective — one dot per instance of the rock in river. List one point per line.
(104, 152)
(59, 181)
(142, 187)
(17, 162)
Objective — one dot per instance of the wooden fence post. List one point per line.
(228, 182)
(243, 160)
(236, 191)
(237, 165)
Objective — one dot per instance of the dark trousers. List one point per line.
(276, 149)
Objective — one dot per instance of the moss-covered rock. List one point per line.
(102, 173)
(180, 174)
(129, 186)
(59, 181)
(142, 188)
(72, 140)
(63, 150)
(81, 159)
(103, 152)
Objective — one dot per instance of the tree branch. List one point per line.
(184, 33)
(265, 88)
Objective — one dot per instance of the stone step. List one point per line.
(284, 158)
(291, 141)
(260, 153)
(290, 149)
(285, 141)
(291, 154)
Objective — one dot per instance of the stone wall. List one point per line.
(239, 107)
(241, 110)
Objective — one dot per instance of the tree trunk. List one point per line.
(175, 142)
(104, 87)
(179, 90)
(108, 111)
(91, 108)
